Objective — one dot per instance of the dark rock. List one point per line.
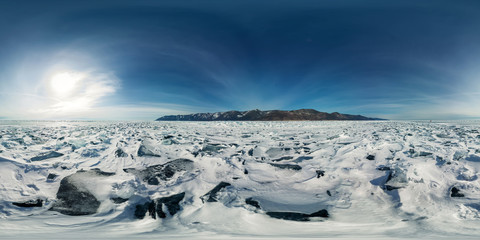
(294, 216)
(252, 202)
(29, 204)
(211, 196)
(155, 207)
(328, 193)
(456, 192)
(118, 200)
(120, 153)
(250, 152)
(245, 171)
(153, 174)
(371, 157)
(46, 155)
(287, 166)
(320, 173)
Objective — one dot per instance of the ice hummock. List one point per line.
(347, 179)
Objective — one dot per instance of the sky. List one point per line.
(139, 60)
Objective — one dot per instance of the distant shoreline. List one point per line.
(270, 115)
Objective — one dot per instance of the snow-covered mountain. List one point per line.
(239, 180)
(272, 115)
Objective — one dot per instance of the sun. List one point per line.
(63, 84)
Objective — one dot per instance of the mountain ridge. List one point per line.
(270, 115)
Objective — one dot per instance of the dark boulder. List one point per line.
(371, 157)
(153, 174)
(155, 207)
(29, 204)
(211, 196)
(294, 216)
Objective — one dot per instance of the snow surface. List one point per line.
(364, 199)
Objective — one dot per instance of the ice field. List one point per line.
(240, 180)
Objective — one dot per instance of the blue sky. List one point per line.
(144, 59)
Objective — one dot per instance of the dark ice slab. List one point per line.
(455, 192)
(47, 155)
(295, 216)
(29, 204)
(144, 150)
(72, 197)
(287, 166)
(250, 201)
(211, 196)
(153, 174)
(155, 207)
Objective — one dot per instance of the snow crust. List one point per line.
(405, 191)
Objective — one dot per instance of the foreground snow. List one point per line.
(375, 179)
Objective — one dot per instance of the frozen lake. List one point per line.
(240, 180)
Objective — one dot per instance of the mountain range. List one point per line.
(271, 115)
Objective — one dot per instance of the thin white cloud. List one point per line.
(88, 91)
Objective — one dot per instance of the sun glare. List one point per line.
(63, 84)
